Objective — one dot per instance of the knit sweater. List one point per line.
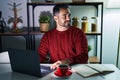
(61, 45)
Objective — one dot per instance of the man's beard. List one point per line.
(67, 24)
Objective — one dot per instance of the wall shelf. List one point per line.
(98, 11)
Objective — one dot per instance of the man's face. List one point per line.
(63, 18)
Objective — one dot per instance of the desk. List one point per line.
(7, 74)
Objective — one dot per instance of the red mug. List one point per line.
(63, 69)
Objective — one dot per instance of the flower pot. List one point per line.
(44, 27)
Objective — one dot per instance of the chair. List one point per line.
(4, 57)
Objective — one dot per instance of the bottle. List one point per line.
(85, 24)
(75, 22)
(94, 24)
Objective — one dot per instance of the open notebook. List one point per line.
(87, 70)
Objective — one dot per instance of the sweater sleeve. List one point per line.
(81, 49)
(43, 48)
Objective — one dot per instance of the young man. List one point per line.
(65, 44)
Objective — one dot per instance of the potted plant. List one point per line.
(89, 48)
(44, 21)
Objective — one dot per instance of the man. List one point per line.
(65, 44)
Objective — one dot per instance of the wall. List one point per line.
(13, 41)
(118, 55)
(110, 28)
(110, 38)
(7, 12)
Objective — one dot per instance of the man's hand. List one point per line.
(57, 63)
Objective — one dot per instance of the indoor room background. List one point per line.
(111, 25)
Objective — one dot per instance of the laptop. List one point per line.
(27, 62)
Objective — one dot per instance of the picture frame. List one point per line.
(78, 1)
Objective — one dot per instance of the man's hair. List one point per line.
(57, 8)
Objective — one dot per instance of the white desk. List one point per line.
(7, 74)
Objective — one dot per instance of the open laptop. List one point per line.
(27, 62)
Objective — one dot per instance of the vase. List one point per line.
(44, 27)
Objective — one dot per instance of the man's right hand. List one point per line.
(57, 63)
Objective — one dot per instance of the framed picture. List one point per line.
(78, 0)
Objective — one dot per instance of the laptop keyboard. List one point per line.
(45, 70)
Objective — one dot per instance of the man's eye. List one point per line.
(69, 15)
(64, 15)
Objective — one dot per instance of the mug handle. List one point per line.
(70, 67)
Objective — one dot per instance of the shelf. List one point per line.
(36, 33)
(13, 34)
(88, 33)
(93, 33)
(98, 8)
(69, 3)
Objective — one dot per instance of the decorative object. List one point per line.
(78, 1)
(44, 21)
(75, 22)
(13, 21)
(85, 24)
(89, 48)
(94, 24)
(2, 23)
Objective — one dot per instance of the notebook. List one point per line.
(88, 70)
(27, 62)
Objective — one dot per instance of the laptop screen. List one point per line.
(27, 62)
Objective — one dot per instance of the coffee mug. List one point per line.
(63, 69)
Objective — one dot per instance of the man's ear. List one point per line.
(55, 18)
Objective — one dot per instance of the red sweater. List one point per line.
(70, 44)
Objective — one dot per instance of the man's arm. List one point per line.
(81, 47)
(42, 49)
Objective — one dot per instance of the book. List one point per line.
(87, 70)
